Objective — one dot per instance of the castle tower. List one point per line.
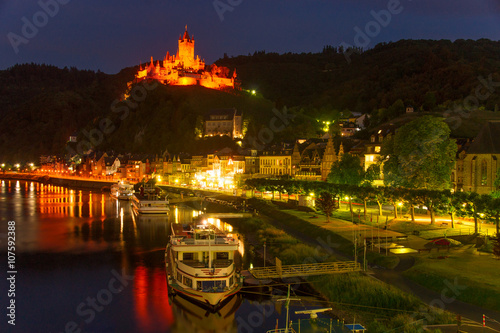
(329, 157)
(186, 50)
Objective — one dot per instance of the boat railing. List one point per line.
(194, 263)
(218, 263)
(221, 263)
(193, 241)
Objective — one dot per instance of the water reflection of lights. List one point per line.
(121, 220)
(90, 204)
(149, 282)
(102, 204)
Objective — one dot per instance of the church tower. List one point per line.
(186, 50)
(329, 157)
(295, 159)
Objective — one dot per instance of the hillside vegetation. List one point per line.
(42, 105)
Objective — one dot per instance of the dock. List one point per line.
(287, 271)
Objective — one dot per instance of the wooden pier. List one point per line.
(286, 271)
(227, 215)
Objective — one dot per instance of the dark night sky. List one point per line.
(112, 34)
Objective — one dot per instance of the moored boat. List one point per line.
(200, 265)
(122, 190)
(149, 202)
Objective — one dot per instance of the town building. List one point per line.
(224, 122)
(479, 165)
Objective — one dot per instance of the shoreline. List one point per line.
(69, 182)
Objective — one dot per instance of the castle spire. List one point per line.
(186, 35)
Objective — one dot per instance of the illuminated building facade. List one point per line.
(481, 161)
(276, 165)
(184, 69)
(224, 122)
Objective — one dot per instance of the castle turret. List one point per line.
(186, 50)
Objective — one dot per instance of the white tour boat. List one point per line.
(149, 202)
(122, 190)
(200, 265)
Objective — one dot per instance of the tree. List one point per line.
(326, 203)
(347, 171)
(491, 208)
(420, 155)
(472, 205)
(496, 247)
(430, 199)
(496, 183)
(393, 196)
(371, 174)
(411, 197)
(450, 204)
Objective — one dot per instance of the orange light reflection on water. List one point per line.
(153, 311)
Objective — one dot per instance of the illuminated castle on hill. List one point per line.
(183, 69)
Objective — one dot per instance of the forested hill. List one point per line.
(41, 105)
(427, 74)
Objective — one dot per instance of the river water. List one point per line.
(85, 263)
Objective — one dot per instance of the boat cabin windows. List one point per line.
(222, 255)
(188, 256)
(204, 235)
(187, 282)
(213, 285)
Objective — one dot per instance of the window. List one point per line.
(187, 281)
(188, 256)
(484, 173)
(377, 149)
(222, 255)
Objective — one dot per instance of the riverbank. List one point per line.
(314, 229)
(355, 296)
(60, 181)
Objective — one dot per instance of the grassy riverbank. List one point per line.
(476, 274)
(379, 306)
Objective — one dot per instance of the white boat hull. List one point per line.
(143, 206)
(212, 300)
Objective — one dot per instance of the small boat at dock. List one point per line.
(149, 201)
(122, 190)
